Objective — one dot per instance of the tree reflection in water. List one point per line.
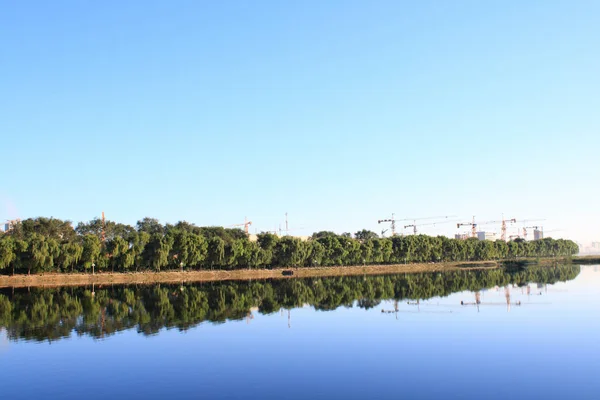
(50, 314)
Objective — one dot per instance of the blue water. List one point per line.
(546, 347)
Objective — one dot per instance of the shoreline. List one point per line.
(147, 277)
(123, 278)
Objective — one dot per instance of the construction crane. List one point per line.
(472, 224)
(287, 228)
(249, 316)
(414, 221)
(503, 223)
(530, 227)
(524, 229)
(395, 311)
(478, 301)
(246, 225)
(392, 226)
(414, 225)
(103, 228)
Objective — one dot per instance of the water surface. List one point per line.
(533, 334)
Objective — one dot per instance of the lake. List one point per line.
(531, 333)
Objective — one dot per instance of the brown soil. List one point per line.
(208, 276)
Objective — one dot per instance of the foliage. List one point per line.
(91, 250)
(52, 245)
(364, 235)
(7, 251)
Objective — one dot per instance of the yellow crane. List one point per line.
(246, 225)
(472, 224)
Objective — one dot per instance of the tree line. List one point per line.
(52, 245)
(50, 314)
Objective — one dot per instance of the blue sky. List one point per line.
(337, 112)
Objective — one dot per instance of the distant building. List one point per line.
(10, 224)
(461, 236)
(538, 234)
(486, 236)
(596, 245)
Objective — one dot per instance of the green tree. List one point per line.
(249, 255)
(228, 235)
(91, 251)
(189, 249)
(137, 244)
(315, 254)
(386, 250)
(366, 250)
(364, 235)
(267, 243)
(117, 249)
(289, 252)
(41, 253)
(70, 254)
(21, 260)
(323, 234)
(49, 227)
(49, 244)
(216, 252)
(156, 252)
(111, 229)
(151, 226)
(7, 251)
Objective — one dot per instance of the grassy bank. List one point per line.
(210, 276)
(586, 259)
(77, 279)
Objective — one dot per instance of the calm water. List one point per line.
(535, 334)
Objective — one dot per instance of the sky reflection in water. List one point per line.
(546, 347)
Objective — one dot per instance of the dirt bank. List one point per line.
(46, 280)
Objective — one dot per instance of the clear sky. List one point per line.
(337, 112)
